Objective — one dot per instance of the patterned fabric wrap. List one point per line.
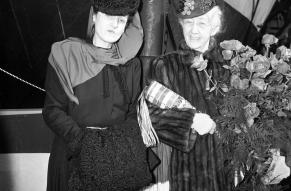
(162, 97)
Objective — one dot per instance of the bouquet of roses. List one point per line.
(254, 121)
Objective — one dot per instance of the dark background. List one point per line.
(28, 28)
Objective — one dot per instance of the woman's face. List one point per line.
(108, 29)
(197, 32)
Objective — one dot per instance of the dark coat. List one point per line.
(199, 167)
(83, 159)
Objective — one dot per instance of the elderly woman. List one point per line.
(188, 150)
(92, 87)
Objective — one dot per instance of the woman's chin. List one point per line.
(112, 39)
(198, 48)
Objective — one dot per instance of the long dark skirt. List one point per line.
(111, 159)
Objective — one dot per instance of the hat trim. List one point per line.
(193, 9)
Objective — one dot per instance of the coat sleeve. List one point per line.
(55, 113)
(135, 86)
(173, 126)
(132, 74)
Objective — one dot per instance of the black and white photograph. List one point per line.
(145, 95)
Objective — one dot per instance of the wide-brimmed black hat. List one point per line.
(193, 8)
(116, 7)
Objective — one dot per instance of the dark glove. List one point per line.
(173, 126)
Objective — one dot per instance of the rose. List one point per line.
(259, 84)
(260, 65)
(283, 52)
(250, 66)
(234, 81)
(199, 63)
(263, 64)
(227, 54)
(231, 45)
(248, 52)
(260, 58)
(282, 67)
(244, 84)
(279, 65)
(237, 83)
(269, 39)
(251, 111)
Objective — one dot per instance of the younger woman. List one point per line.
(91, 92)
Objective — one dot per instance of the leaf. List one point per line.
(235, 61)
(275, 77)
(276, 88)
(281, 114)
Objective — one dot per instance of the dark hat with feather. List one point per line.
(116, 7)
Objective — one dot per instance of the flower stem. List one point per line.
(209, 78)
(267, 50)
(251, 75)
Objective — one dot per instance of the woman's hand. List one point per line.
(203, 124)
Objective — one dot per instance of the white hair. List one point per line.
(215, 19)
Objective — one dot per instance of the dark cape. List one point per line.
(200, 167)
